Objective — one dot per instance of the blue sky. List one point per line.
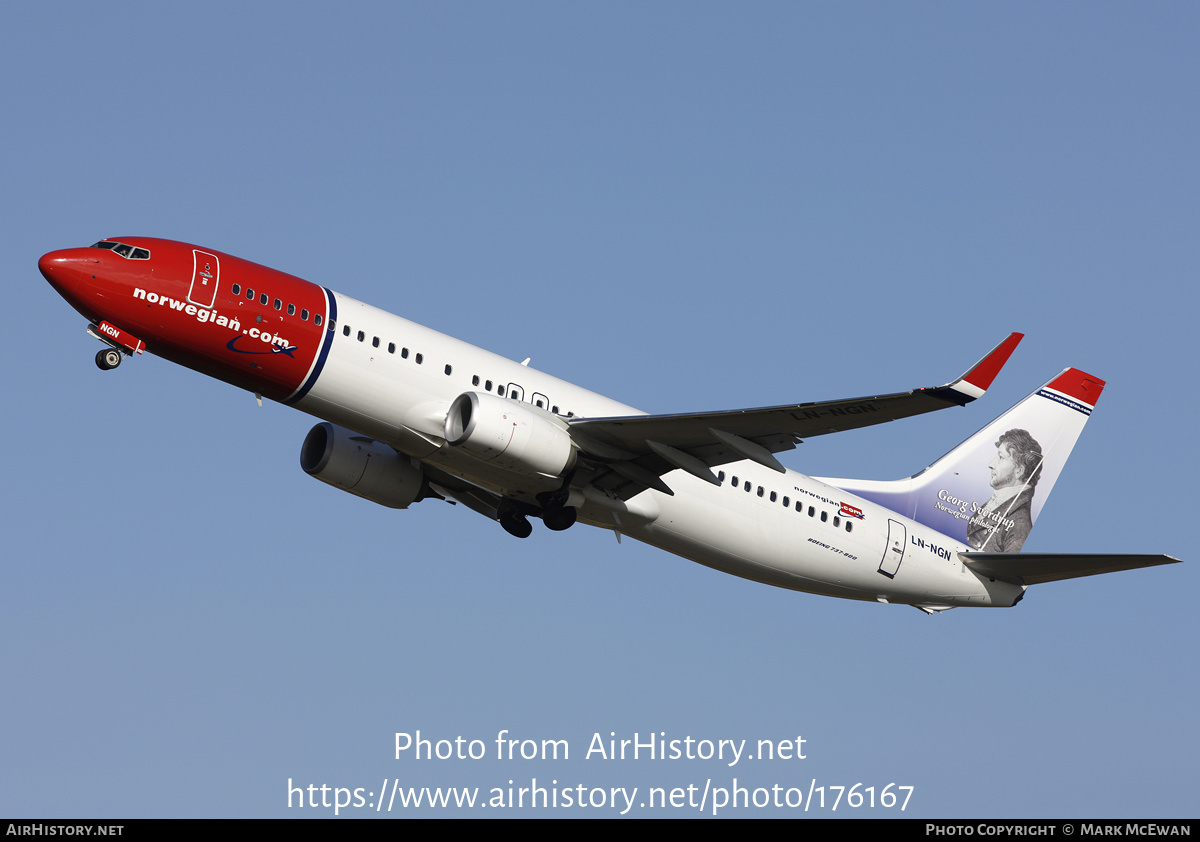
(686, 206)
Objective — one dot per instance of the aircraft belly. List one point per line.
(745, 538)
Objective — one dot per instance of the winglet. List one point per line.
(977, 381)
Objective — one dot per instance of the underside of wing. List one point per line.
(447, 485)
(1036, 568)
(630, 454)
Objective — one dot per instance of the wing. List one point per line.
(455, 489)
(626, 455)
(1036, 568)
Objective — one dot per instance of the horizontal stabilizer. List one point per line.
(1036, 568)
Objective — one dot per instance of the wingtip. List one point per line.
(980, 377)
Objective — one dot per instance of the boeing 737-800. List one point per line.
(410, 414)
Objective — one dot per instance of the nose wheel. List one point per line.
(108, 358)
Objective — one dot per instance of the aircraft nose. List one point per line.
(72, 273)
(64, 269)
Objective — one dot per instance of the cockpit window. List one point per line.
(127, 251)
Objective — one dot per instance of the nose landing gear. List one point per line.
(117, 343)
(108, 358)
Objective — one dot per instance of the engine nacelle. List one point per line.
(509, 435)
(360, 465)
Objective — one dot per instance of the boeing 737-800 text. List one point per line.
(409, 414)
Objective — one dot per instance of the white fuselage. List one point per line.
(394, 380)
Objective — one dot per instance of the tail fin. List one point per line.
(988, 491)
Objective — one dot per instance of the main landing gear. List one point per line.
(516, 524)
(559, 518)
(555, 513)
(514, 517)
(108, 358)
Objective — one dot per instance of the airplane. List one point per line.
(409, 414)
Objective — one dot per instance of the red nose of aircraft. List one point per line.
(72, 272)
(66, 269)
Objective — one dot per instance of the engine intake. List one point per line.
(360, 465)
(509, 435)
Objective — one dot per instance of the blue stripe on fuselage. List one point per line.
(326, 344)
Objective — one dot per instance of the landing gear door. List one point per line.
(206, 271)
(893, 554)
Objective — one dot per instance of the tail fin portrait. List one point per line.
(988, 491)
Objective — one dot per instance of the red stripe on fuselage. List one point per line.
(238, 339)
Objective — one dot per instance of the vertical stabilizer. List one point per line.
(989, 490)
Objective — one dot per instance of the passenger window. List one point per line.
(760, 491)
(420, 358)
(488, 385)
(278, 304)
(304, 316)
(747, 486)
(474, 379)
(263, 298)
(345, 330)
(785, 502)
(391, 347)
(500, 391)
(824, 516)
(375, 342)
(812, 512)
(317, 321)
(291, 309)
(361, 336)
(849, 524)
(249, 294)
(236, 289)
(448, 369)
(837, 521)
(772, 496)
(404, 353)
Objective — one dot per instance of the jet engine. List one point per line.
(509, 435)
(360, 465)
